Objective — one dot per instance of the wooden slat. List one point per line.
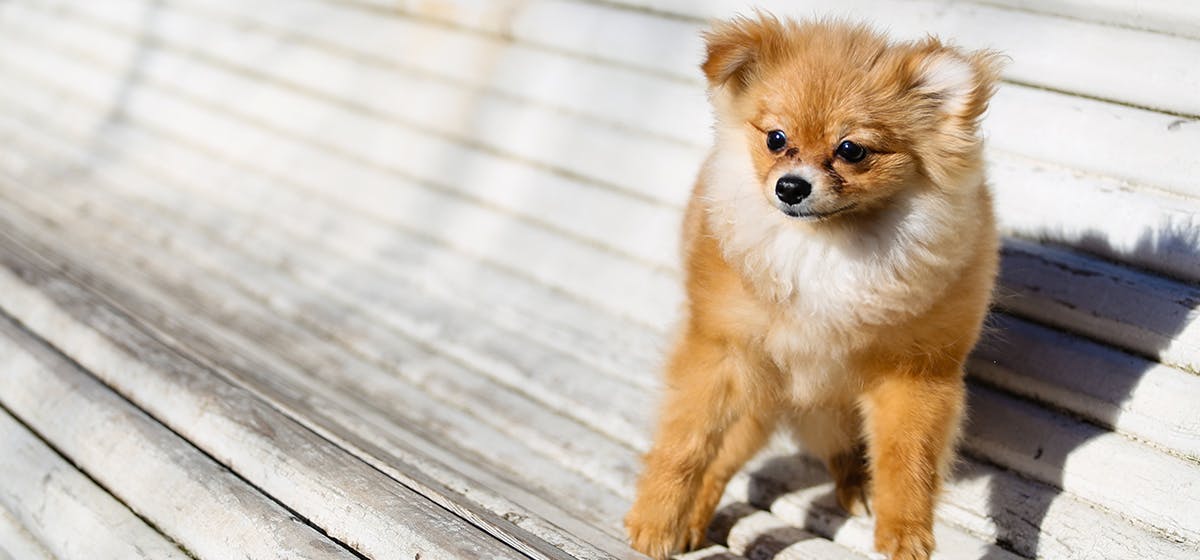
(16, 543)
(61, 507)
(1155, 488)
(366, 509)
(1126, 393)
(1175, 17)
(1150, 315)
(204, 507)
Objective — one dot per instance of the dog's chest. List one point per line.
(816, 358)
(826, 312)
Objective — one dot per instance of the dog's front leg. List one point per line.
(706, 395)
(912, 423)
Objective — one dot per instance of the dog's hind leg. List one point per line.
(834, 435)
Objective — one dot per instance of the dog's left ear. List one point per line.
(950, 89)
(956, 84)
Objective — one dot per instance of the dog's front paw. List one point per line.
(657, 531)
(903, 542)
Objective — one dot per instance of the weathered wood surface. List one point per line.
(404, 272)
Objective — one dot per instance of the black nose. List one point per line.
(791, 189)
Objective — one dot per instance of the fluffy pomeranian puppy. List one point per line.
(840, 252)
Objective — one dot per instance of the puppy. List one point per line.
(840, 252)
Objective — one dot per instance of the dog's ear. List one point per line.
(736, 47)
(958, 85)
(949, 90)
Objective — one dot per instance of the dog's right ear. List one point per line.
(735, 48)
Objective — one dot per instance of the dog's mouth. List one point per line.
(794, 212)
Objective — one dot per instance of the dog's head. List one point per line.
(835, 120)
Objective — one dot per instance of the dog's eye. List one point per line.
(851, 152)
(776, 140)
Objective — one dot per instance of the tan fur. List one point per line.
(850, 328)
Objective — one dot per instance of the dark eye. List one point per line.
(851, 152)
(776, 140)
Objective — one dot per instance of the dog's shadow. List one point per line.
(800, 490)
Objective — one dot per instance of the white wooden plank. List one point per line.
(1155, 488)
(440, 379)
(1175, 17)
(207, 509)
(1035, 200)
(15, 541)
(1150, 229)
(1151, 315)
(66, 511)
(367, 509)
(1152, 402)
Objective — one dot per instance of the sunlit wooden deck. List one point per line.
(355, 278)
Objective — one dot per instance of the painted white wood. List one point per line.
(1151, 315)
(1175, 17)
(1155, 487)
(1152, 402)
(207, 509)
(372, 512)
(15, 541)
(395, 392)
(63, 509)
